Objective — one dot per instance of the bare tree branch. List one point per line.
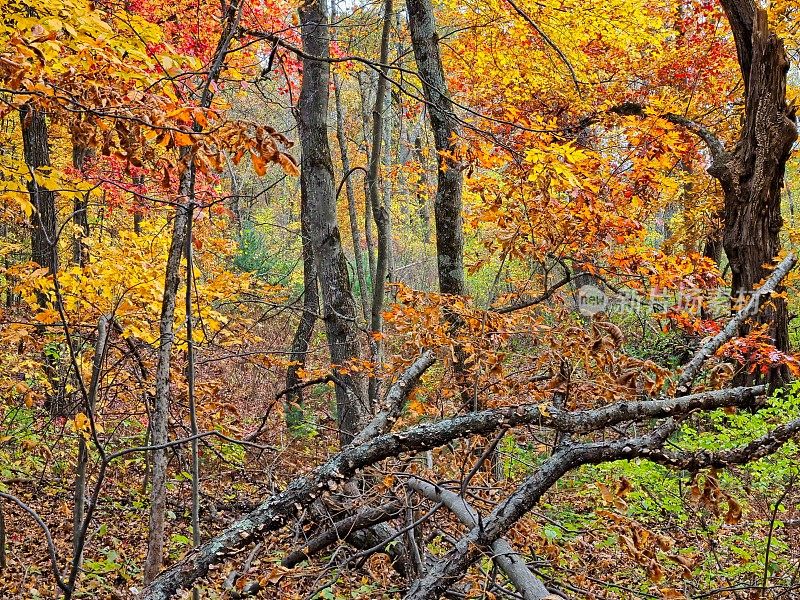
(549, 42)
(708, 349)
(395, 398)
(342, 530)
(511, 563)
(51, 547)
(715, 145)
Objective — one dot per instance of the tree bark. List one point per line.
(80, 209)
(343, 530)
(138, 180)
(160, 413)
(352, 211)
(293, 407)
(276, 511)
(339, 310)
(380, 212)
(37, 156)
(78, 515)
(363, 88)
(422, 197)
(190, 385)
(44, 240)
(447, 203)
(752, 174)
(511, 563)
(388, 186)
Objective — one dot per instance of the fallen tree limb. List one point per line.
(275, 512)
(758, 448)
(342, 530)
(509, 561)
(395, 398)
(469, 548)
(453, 565)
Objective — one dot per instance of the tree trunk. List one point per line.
(447, 204)
(380, 212)
(388, 186)
(339, 310)
(44, 249)
(302, 335)
(80, 210)
(160, 414)
(752, 175)
(138, 180)
(351, 201)
(78, 515)
(363, 88)
(44, 240)
(422, 198)
(190, 386)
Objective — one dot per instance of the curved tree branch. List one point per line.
(51, 547)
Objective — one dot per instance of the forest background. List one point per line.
(485, 299)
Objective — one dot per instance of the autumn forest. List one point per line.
(369, 299)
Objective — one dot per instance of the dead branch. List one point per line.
(511, 563)
(342, 530)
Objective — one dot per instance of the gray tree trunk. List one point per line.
(380, 211)
(160, 413)
(339, 310)
(363, 88)
(80, 209)
(352, 211)
(138, 180)
(388, 185)
(293, 407)
(422, 198)
(44, 240)
(447, 204)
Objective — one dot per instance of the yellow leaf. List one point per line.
(81, 425)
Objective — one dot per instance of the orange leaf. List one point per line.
(259, 164)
